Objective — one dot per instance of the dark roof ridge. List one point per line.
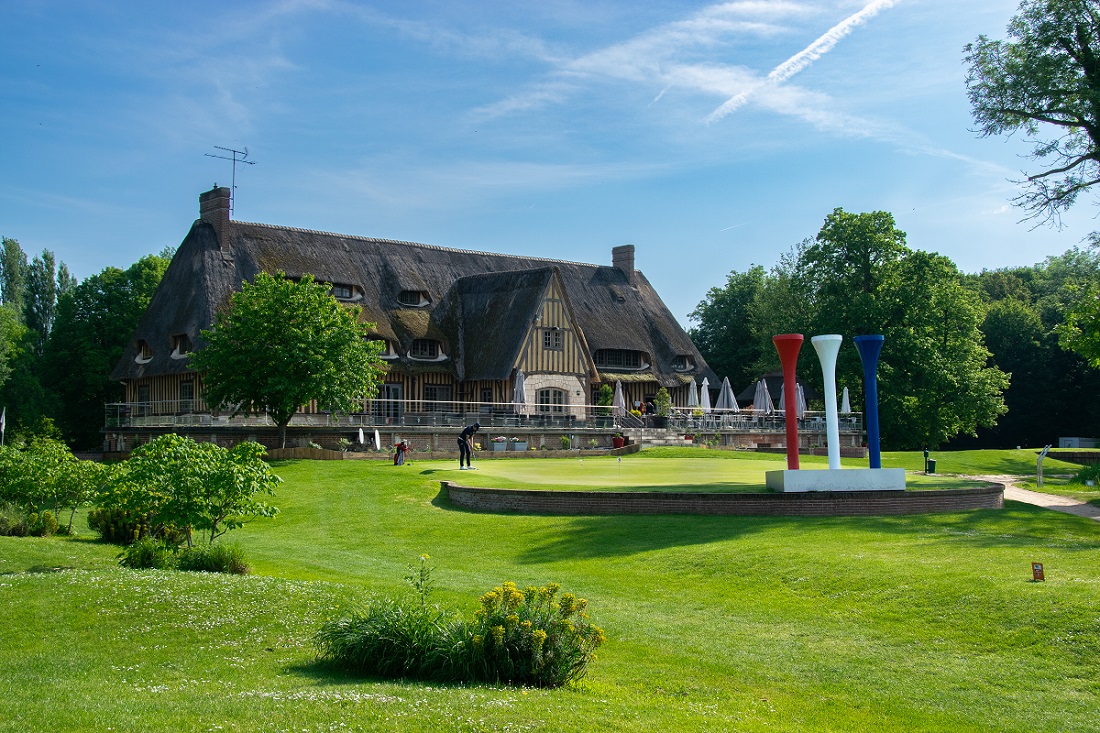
(412, 244)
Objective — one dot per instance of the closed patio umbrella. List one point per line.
(704, 396)
(762, 401)
(618, 402)
(801, 410)
(726, 399)
(845, 405)
(693, 395)
(519, 397)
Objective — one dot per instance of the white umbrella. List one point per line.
(693, 395)
(362, 438)
(845, 405)
(704, 396)
(783, 397)
(519, 397)
(377, 441)
(618, 403)
(726, 399)
(800, 411)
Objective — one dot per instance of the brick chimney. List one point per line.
(214, 210)
(622, 258)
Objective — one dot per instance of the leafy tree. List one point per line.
(13, 271)
(29, 404)
(10, 331)
(281, 344)
(1044, 80)
(1081, 330)
(859, 277)
(935, 380)
(45, 475)
(93, 325)
(183, 485)
(723, 333)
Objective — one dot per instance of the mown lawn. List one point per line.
(714, 623)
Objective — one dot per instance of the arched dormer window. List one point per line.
(426, 350)
(181, 346)
(388, 349)
(413, 298)
(144, 352)
(345, 292)
(683, 363)
(620, 359)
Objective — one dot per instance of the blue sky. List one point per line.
(711, 136)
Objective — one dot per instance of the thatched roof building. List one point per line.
(461, 320)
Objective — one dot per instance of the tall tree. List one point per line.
(13, 272)
(93, 325)
(861, 278)
(1044, 81)
(40, 297)
(723, 333)
(281, 344)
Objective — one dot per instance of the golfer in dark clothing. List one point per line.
(466, 445)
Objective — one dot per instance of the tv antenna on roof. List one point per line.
(242, 159)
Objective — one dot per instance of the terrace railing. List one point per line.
(452, 414)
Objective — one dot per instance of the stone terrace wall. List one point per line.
(802, 504)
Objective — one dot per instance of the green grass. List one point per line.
(714, 623)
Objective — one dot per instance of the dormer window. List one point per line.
(413, 298)
(619, 359)
(145, 353)
(426, 350)
(682, 363)
(388, 350)
(343, 292)
(181, 346)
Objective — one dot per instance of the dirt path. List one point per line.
(1047, 501)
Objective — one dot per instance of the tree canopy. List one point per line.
(858, 276)
(1044, 81)
(93, 323)
(281, 344)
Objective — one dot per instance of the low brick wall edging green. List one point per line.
(793, 504)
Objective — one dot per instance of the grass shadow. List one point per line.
(41, 569)
(326, 672)
(601, 537)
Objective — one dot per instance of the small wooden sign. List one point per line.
(1037, 571)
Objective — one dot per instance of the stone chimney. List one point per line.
(622, 258)
(214, 210)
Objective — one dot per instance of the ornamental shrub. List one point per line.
(1090, 472)
(147, 553)
(118, 526)
(531, 637)
(220, 557)
(14, 521)
(42, 525)
(528, 637)
(395, 638)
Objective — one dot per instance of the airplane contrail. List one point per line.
(805, 57)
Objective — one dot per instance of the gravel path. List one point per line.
(1047, 501)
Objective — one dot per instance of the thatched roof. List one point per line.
(481, 304)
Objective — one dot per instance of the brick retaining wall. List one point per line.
(802, 504)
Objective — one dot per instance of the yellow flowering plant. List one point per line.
(525, 637)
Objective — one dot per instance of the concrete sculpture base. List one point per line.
(851, 479)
